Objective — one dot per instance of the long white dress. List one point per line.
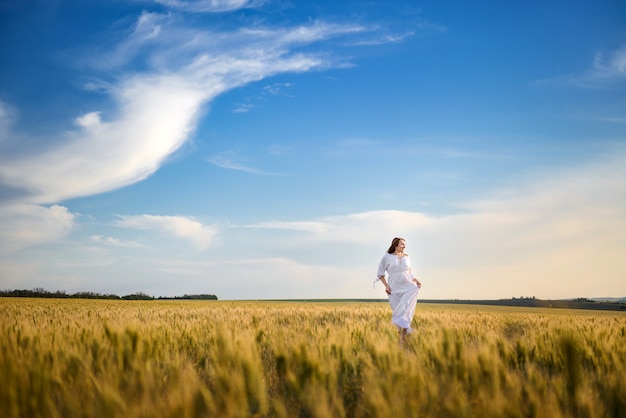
(404, 290)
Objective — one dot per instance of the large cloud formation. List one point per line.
(153, 112)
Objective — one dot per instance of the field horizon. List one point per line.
(598, 303)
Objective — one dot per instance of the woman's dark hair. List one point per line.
(394, 244)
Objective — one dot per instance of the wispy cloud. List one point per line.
(250, 102)
(608, 70)
(243, 107)
(202, 236)
(307, 226)
(152, 113)
(394, 35)
(551, 228)
(115, 242)
(156, 111)
(232, 161)
(605, 72)
(383, 39)
(276, 88)
(303, 34)
(210, 6)
(143, 36)
(24, 225)
(612, 119)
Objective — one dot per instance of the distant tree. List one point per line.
(39, 292)
(190, 297)
(138, 296)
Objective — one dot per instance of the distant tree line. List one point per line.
(61, 294)
(584, 300)
(191, 297)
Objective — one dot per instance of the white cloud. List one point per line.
(259, 278)
(156, 111)
(384, 39)
(153, 114)
(23, 225)
(276, 88)
(88, 121)
(607, 70)
(319, 30)
(604, 72)
(363, 228)
(202, 236)
(145, 34)
(157, 116)
(231, 161)
(243, 107)
(555, 234)
(115, 242)
(228, 161)
(307, 226)
(251, 102)
(210, 6)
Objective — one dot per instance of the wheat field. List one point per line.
(95, 358)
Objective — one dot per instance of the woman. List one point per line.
(402, 286)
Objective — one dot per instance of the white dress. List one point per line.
(404, 290)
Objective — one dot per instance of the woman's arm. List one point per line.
(414, 278)
(382, 268)
(387, 288)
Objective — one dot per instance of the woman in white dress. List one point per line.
(401, 284)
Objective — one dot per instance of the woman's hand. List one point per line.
(418, 283)
(387, 289)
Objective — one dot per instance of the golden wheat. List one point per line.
(77, 358)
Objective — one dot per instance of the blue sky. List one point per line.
(272, 149)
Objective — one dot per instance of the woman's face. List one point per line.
(400, 246)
